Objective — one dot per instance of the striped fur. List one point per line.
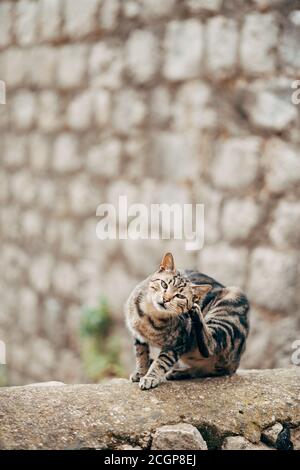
(199, 326)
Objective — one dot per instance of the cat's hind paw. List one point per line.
(149, 382)
(180, 374)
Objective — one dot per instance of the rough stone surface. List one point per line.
(24, 110)
(236, 163)
(222, 45)
(167, 150)
(284, 231)
(295, 438)
(104, 159)
(270, 435)
(65, 156)
(258, 43)
(273, 339)
(178, 437)
(49, 112)
(129, 111)
(26, 22)
(240, 443)
(232, 270)
(268, 111)
(105, 66)
(44, 75)
(5, 23)
(50, 19)
(282, 164)
(197, 6)
(246, 215)
(109, 14)
(272, 273)
(182, 60)
(288, 45)
(118, 413)
(193, 107)
(142, 55)
(153, 9)
(71, 66)
(79, 21)
(79, 112)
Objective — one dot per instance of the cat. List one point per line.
(199, 325)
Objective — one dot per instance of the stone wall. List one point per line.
(162, 101)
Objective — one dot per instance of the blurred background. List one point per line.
(163, 101)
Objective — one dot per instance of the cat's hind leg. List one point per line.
(183, 373)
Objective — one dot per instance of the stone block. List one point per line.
(129, 110)
(40, 272)
(26, 22)
(181, 60)
(65, 153)
(284, 231)
(282, 165)
(24, 109)
(222, 46)
(178, 437)
(193, 107)
(272, 273)
(79, 112)
(259, 38)
(142, 55)
(6, 23)
(50, 116)
(109, 14)
(106, 66)
(50, 19)
(71, 66)
(240, 443)
(80, 19)
(41, 66)
(240, 217)
(166, 151)
(104, 159)
(269, 111)
(236, 164)
(225, 263)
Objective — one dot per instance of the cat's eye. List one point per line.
(164, 284)
(180, 296)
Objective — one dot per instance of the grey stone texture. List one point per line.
(164, 101)
(178, 437)
(231, 412)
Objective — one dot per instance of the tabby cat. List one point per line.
(199, 325)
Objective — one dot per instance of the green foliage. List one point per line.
(100, 347)
(96, 321)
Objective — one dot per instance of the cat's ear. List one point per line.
(200, 290)
(167, 263)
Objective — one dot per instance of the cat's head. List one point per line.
(172, 293)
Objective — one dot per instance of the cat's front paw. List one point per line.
(136, 376)
(149, 382)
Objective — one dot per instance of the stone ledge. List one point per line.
(117, 414)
